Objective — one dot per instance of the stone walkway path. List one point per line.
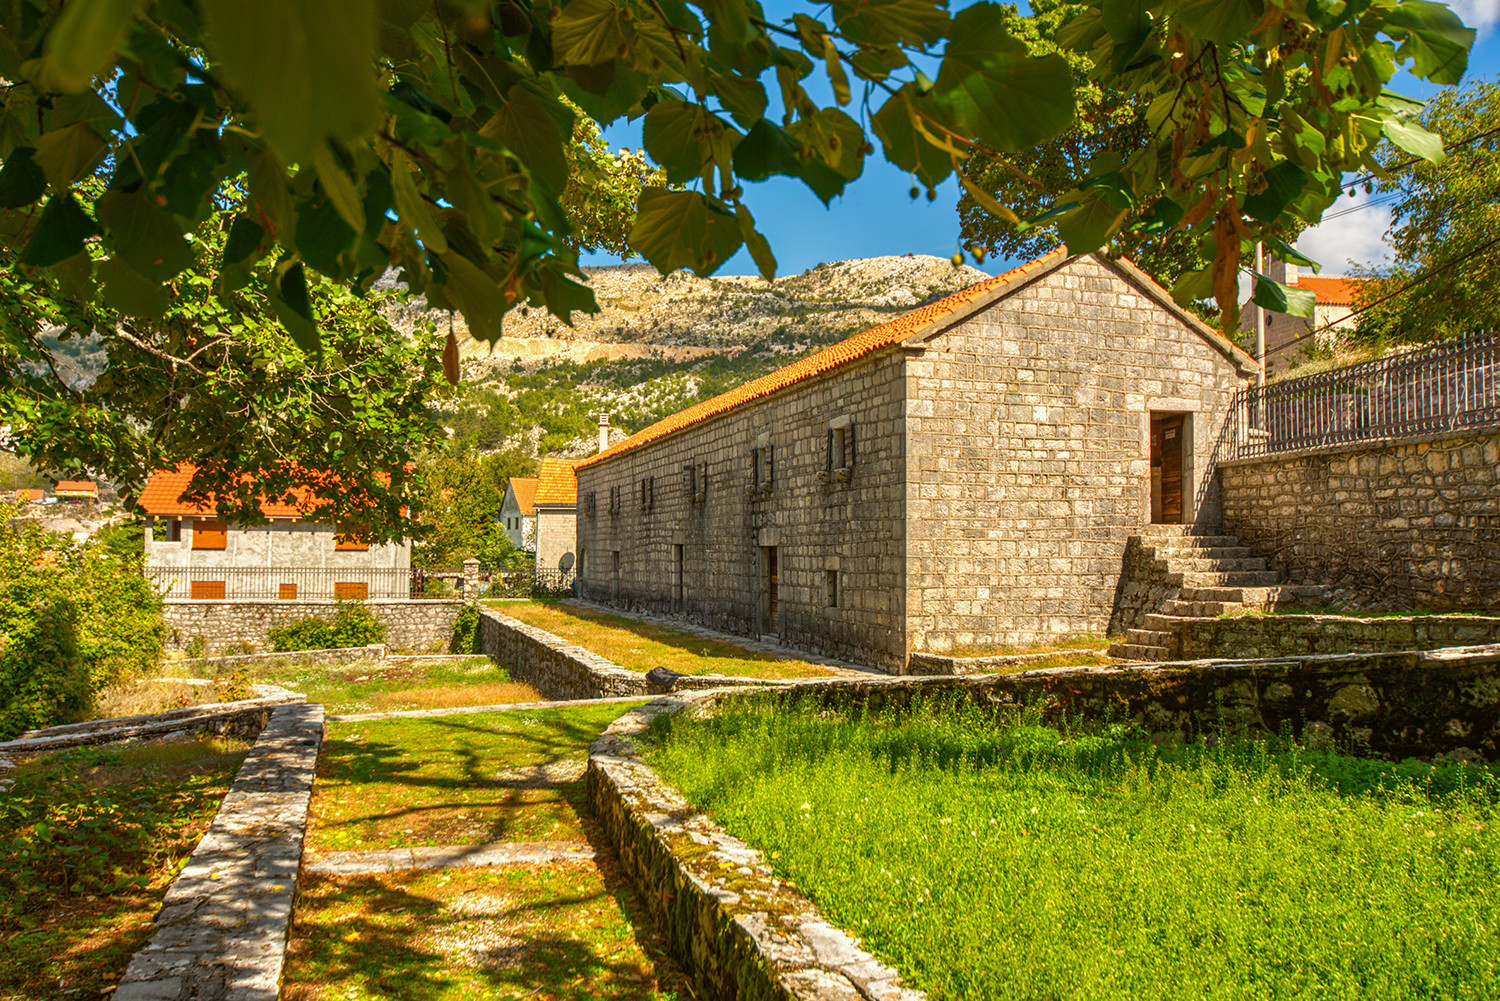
(453, 857)
(469, 710)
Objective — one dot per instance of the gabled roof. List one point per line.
(1332, 291)
(77, 487)
(907, 327)
(162, 497)
(523, 488)
(556, 483)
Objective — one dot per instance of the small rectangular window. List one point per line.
(350, 541)
(171, 530)
(210, 533)
(762, 458)
(840, 450)
(287, 592)
(356, 591)
(831, 594)
(206, 590)
(590, 504)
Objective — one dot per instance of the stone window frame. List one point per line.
(590, 505)
(831, 588)
(695, 482)
(838, 448)
(615, 499)
(762, 464)
(647, 491)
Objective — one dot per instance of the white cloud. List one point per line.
(1480, 14)
(1350, 237)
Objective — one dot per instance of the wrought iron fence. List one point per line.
(527, 583)
(295, 583)
(1447, 386)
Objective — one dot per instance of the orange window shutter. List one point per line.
(210, 533)
(206, 590)
(351, 591)
(287, 592)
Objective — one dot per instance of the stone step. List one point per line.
(1237, 578)
(1201, 609)
(1160, 622)
(1204, 552)
(1181, 531)
(1149, 637)
(1190, 541)
(1262, 599)
(1134, 651)
(1193, 565)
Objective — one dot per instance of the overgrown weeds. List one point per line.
(1001, 859)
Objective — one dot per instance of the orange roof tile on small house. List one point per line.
(907, 326)
(524, 487)
(1332, 291)
(162, 497)
(556, 483)
(28, 494)
(87, 487)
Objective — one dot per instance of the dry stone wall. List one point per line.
(839, 540)
(1298, 635)
(424, 625)
(1400, 526)
(1028, 454)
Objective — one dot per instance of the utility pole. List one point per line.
(1260, 317)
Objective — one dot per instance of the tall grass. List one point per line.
(1011, 860)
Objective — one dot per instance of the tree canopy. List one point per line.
(1445, 225)
(349, 137)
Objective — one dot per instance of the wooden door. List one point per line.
(1166, 459)
(772, 598)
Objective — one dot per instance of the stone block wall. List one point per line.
(1028, 443)
(1402, 526)
(1146, 584)
(423, 625)
(1299, 635)
(852, 530)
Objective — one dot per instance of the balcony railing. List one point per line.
(319, 584)
(1448, 386)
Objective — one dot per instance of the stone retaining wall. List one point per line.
(244, 718)
(740, 932)
(312, 658)
(222, 930)
(936, 664)
(1297, 635)
(1401, 526)
(422, 624)
(1146, 584)
(561, 670)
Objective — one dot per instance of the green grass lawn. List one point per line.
(567, 930)
(450, 780)
(640, 646)
(1017, 862)
(90, 839)
(358, 687)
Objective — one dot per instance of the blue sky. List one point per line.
(876, 216)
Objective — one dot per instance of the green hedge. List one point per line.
(353, 625)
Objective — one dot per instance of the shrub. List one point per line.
(466, 632)
(353, 625)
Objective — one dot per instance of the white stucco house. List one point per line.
(197, 555)
(518, 511)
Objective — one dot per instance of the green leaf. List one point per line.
(682, 229)
(1284, 182)
(476, 295)
(322, 235)
(67, 154)
(1222, 21)
(294, 310)
(1089, 226)
(836, 137)
(905, 146)
(1291, 255)
(1436, 40)
(306, 69)
(881, 22)
(531, 131)
(22, 180)
(744, 98)
(1275, 296)
(60, 233)
(1193, 286)
(144, 234)
(768, 149)
(413, 209)
(131, 293)
(672, 133)
(1410, 136)
(990, 89)
(563, 295)
(340, 189)
(760, 249)
(268, 188)
(82, 43)
(589, 32)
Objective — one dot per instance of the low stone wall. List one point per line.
(222, 930)
(313, 658)
(740, 932)
(561, 670)
(1400, 526)
(1297, 635)
(923, 664)
(422, 624)
(1404, 704)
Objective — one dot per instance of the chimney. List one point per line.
(603, 432)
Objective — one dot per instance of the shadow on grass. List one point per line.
(690, 644)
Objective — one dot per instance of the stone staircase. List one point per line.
(1214, 575)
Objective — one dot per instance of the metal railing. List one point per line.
(1447, 386)
(526, 583)
(320, 584)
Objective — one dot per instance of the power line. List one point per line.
(1364, 178)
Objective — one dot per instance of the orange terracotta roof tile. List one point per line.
(835, 356)
(524, 487)
(77, 487)
(162, 496)
(556, 483)
(1333, 291)
(30, 494)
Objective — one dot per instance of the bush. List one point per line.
(353, 625)
(72, 620)
(466, 632)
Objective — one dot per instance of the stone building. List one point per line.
(291, 557)
(1290, 339)
(556, 504)
(518, 513)
(964, 476)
